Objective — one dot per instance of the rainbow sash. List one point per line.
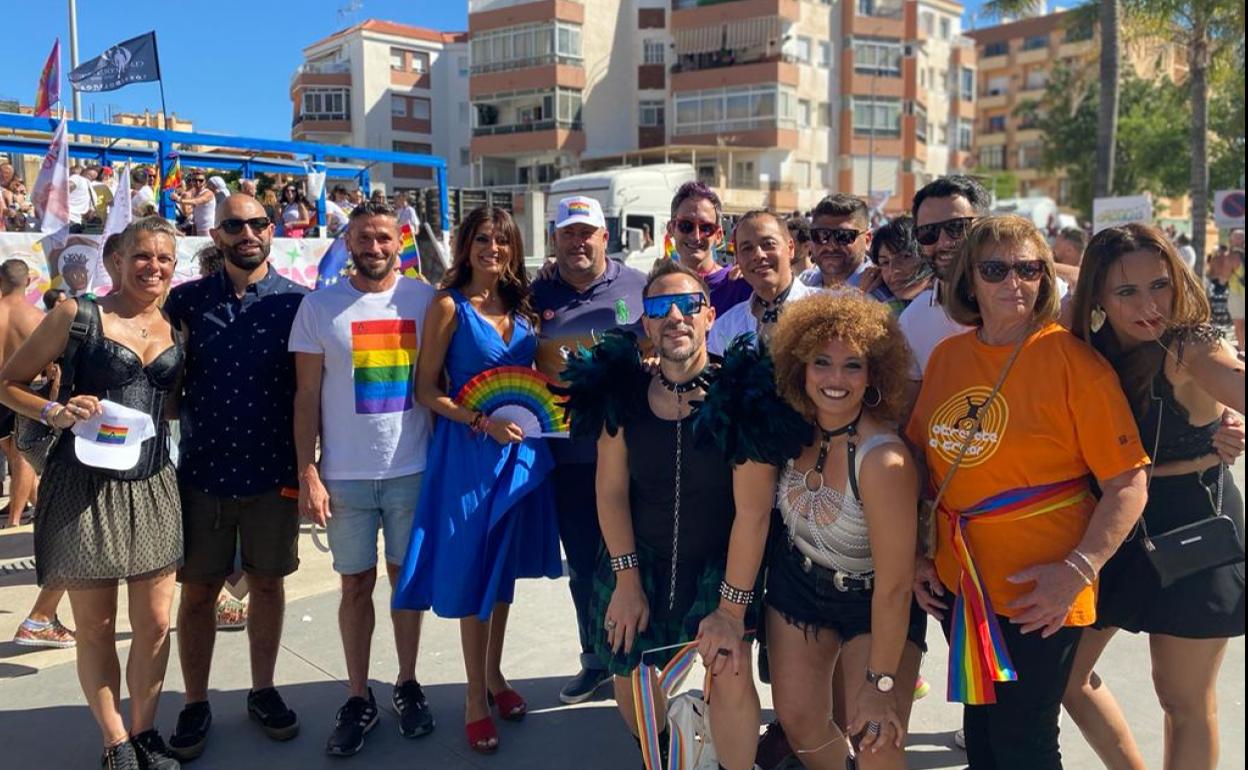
(977, 654)
(647, 710)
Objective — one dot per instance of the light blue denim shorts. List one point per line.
(360, 507)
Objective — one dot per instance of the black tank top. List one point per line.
(1179, 439)
(109, 370)
(706, 503)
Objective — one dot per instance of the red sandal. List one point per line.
(480, 734)
(511, 706)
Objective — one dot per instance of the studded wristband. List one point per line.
(623, 562)
(735, 595)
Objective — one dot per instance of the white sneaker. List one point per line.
(959, 739)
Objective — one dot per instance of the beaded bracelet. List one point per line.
(477, 425)
(623, 562)
(735, 595)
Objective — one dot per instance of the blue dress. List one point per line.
(486, 514)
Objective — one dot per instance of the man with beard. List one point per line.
(696, 229)
(764, 254)
(355, 351)
(237, 468)
(840, 235)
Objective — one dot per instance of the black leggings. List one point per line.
(1019, 731)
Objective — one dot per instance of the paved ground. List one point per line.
(45, 727)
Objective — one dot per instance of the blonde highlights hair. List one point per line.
(1007, 229)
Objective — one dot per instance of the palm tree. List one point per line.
(1109, 17)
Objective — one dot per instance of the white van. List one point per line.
(1038, 209)
(636, 201)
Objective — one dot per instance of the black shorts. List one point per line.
(810, 600)
(8, 420)
(265, 528)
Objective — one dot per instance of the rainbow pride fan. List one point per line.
(519, 394)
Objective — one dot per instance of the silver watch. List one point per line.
(882, 682)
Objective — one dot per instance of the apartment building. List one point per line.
(1015, 62)
(774, 102)
(388, 86)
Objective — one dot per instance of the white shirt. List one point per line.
(140, 198)
(407, 216)
(79, 197)
(371, 425)
(813, 276)
(335, 217)
(741, 320)
(1189, 255)
(204, 215)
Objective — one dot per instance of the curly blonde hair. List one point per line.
(809, 324)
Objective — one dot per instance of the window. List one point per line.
(398, 106)
(1037, 78)
(462, 62)
(825, 53)
(877, 57)
(1035, 42)
(326, 104)
(803, 113)
(397, 59)
(465, 157)
(405, 60)
(743, 174)
(420, 62)
(419, 108)
(803, 49)
(532, 110)
(965, 134)
(823, 115)
(801, 174)
(945, 33)
(526, 45)
(999, 48)
(966, 87)
(740, 108)
(878, 116)
(928, 20)
(996, 124)
(825, 174)
(992, 158)
(653, 52)
(920, 122)
(1030, 154)
(998, 85)
(650, 114)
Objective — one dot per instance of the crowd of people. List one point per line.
(804, 455)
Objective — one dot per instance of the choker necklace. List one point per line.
(825, 440)
(682, 387)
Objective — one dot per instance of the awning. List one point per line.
(757, 32)
(699, 40)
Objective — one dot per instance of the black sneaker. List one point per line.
(191, 734)
(415, 719)
(276, 719)
(152, 753)
(120, 757)
(582, 687)
(356, 717)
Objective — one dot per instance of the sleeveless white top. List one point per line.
(828, 525)
(204, 215)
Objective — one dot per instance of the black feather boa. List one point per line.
(742, 416)
(605, 385)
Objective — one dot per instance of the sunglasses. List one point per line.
(995, 270)
(196, 180)
(954, 228)
(659, 307)
(235, 226)
(801, 236)
(842, 235)
(687, 226)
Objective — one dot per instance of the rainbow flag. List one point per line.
(383, 355)
(978, 657)
(174, 179)
(409, 255)
(669, 248)
(49, 92)
(112, 434)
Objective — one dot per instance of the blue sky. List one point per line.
(226, 63)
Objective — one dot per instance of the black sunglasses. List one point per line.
(801, 236)
(235, 226)
(954, 228)
(995, 270)
(842, 235)
(687, 226)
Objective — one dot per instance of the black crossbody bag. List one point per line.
(33, 438)
(1192, 548)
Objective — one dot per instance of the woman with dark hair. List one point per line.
(486, 514)
(109, 509)
(904, 273)
(1143, 309)
(296, 213)
(842, 553)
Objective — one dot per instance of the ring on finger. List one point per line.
(609, 625)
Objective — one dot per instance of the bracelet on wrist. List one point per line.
(478, 422)
(44, 417)
(623, 562)
(1084, 558)
(735, 595)
(1087, 581)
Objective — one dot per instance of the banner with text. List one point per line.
(1111, 212)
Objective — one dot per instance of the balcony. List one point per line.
(543, 77)
(536, 137)
(336, 73)
(484, 15)
(321, 123)
(1075, 49)
(1032, 56)
(994, 62)
(1030, 95)
(993, 98)
(728, 73)
(701, 13)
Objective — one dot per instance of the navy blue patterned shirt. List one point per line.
(237, 413)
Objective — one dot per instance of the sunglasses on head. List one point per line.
(687, 226)
(995, 270)
(954, 228)
(235, 226)
(842, 235)
(659, 307)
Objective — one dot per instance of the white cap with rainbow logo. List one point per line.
(113, 438)
(579, 209)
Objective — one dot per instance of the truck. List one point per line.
(1038, 208)
(636, 202)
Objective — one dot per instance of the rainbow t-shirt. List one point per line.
(382, 356)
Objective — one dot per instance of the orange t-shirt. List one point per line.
(1060, 415)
